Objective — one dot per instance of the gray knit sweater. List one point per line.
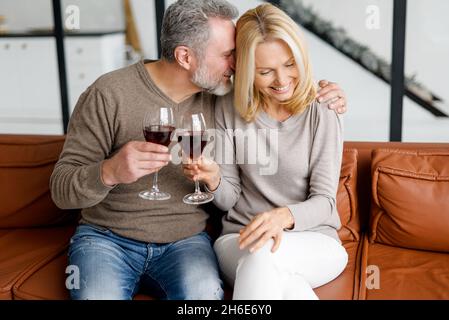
(107, 116)
(294, 163)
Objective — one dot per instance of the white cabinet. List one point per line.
(88, 57)
(9, 79)
(29, 86)
(30, 99)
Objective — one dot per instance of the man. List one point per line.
(123, 242)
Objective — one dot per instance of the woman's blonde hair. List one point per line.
(267, 23)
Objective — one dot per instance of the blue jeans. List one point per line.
(115, 268)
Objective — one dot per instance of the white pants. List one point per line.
(304, 260)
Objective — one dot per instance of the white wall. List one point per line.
(99, 15)
(427, 43)
(21, 14)
(351, 15)
(145, 19)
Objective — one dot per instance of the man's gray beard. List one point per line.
(202, 79)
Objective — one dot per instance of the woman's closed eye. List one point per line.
(266, 72)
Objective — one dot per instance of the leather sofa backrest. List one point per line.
(26, 163)
(347, 204)
(410, 206)
(365, 150)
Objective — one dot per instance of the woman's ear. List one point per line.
(184, 57)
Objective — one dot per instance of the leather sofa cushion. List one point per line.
(44, 283)
(347, 199)
(24, 249)
(26, 164)
(407, 274)
(47, 281)
(410, 199)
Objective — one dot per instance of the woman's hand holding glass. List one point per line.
(204, 170)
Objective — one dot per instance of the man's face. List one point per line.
(214, 71)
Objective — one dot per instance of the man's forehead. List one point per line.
(222, 35)
(221, 28)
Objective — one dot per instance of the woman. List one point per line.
(279, 238)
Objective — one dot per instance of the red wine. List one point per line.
(193, 143)
(158, 134)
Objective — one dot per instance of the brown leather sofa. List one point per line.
(393, 201)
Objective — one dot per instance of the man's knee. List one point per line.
(209, 288)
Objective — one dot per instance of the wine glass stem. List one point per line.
(197, 187)
(155, 186)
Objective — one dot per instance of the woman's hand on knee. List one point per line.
(265, 226)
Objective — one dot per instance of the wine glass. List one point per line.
(158, 127)
(193, 139)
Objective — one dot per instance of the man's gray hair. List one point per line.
(186, 24)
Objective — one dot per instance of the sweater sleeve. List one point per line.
(76, 179)
(228, 191)
(325, 166)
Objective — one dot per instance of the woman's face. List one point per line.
(276, 72)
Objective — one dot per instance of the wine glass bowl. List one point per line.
(158, 128)
(159, 134)
(193, 143)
